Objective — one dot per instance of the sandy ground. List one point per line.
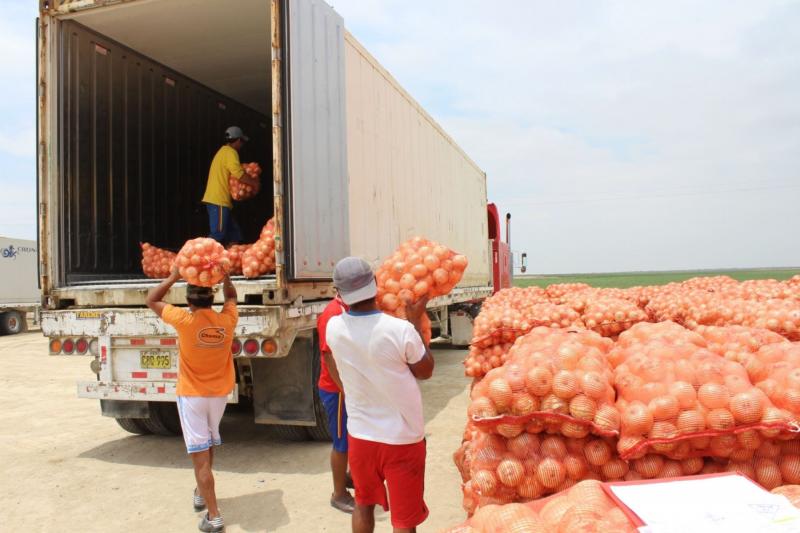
(63, 467)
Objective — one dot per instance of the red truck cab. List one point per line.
(502, 264)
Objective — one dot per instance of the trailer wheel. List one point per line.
(155, 424)
(133, 425)
(167, 413)
(290, 433)
(320, 432)
(12, 322)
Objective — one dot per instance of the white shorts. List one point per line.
(200, 417)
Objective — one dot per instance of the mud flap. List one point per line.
(283, 388)
(124, 409)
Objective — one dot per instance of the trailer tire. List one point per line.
(155, 424)
(321, 431)
(290, 433)
(12, 322)
(133, 425)
(167, 413)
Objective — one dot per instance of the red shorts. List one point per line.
(402, 467)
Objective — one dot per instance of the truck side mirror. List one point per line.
(524, 267)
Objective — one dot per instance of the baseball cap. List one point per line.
(354, 279)
(235, 132)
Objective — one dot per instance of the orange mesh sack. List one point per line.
(156, 262)
(203, 261)
(499, 326)
(737, 343)
(259, 259)
(776, 368)
(681, 401)
(556, 380)
(559, 293)
(611, 316)
(418, 268)
(235, 253)
(584, 508)
(530, 466)
(241, 191)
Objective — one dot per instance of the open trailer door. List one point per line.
(315, 154)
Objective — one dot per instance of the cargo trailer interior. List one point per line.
(145, 92)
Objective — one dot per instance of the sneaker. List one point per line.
(198, 501)
(214, 525)
(346, 504)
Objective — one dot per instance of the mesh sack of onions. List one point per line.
(781, 316)
(235, 253)
(259, 258)
(499, 325)
(203, 261)
(775, 369)
(709, 283)
(584, 507)
(418, 268)
(559, 292)
(480, 361)
(611, 316)
(529, 466)
(683, 401)
(241, 191)
(738, 343)
(156, 262)
(555, 380)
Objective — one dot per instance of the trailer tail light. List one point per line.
(251, 347)
(68, 346)
(236, 347)
(55, 346)
(93, 347)
(82, 346)
(269, 347)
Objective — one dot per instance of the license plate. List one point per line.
(155, 359)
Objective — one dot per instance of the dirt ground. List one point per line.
(63, 467)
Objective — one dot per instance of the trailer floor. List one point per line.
(66, 468)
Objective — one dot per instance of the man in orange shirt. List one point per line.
(205, 379)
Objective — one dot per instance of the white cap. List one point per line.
(235, 132)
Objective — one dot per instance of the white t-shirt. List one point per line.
(372, 353)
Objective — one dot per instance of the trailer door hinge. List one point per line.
(277, 54)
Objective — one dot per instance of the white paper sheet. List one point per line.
(728, 504)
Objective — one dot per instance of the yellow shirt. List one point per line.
(225, 164)
(204, 347)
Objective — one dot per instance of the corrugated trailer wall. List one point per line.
(408, 177)
(136, 142)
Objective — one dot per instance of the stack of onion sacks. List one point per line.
(418, 268)
(156, 262)
(203, 261)
(235, 253)
(557, 380)
(241, 191)
(259, 258)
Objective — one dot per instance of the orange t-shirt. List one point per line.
(204, 345)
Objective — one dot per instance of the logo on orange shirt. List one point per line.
(211, 336)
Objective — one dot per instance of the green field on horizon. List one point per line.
(632, 279)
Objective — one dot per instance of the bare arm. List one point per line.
(422, 369)
(333, 370)
(228, 290)
(155, 297)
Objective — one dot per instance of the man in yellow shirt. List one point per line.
(205, 379)
(224, 228)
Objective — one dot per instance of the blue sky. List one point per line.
(621, 135)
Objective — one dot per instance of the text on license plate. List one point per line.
(155, 359)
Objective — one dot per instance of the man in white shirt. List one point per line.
(379, 359)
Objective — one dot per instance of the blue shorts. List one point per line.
(337, 418)
(224, 228)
